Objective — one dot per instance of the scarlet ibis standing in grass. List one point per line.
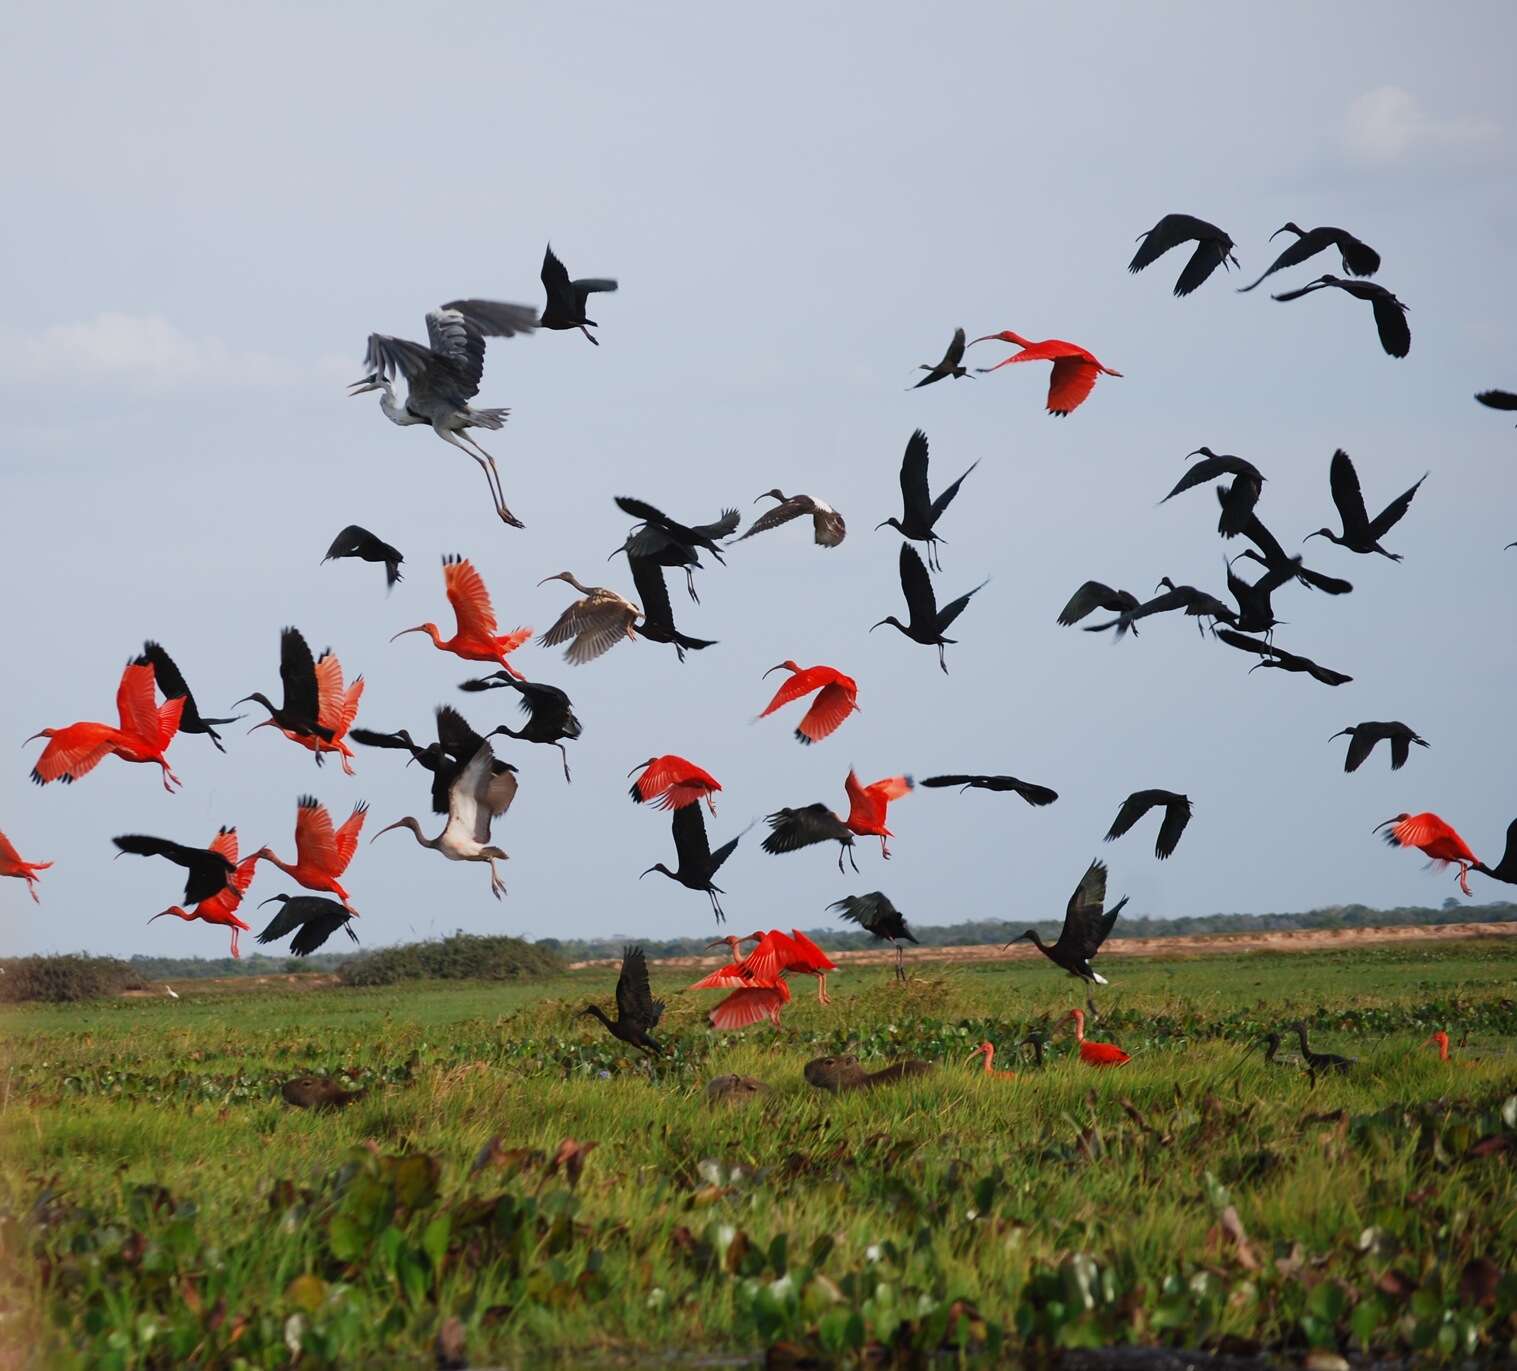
(311, 918)
(296, 714)
(146, 731)
(1213, 249)
(951, 365)
(837, 698)
(793, 829)
(929, 624)
(322, 853)
(1435, 839)
(1074, 369)
(1096, 1054)
(1361, 533)
(698, 864)
(1280, 659)
(637, 1012)
(475, 638)
(567, 300)
(988, 1052)
(827, 526)
(867, 805)
(673, 783)
(13, 864)
(1441, 1040)
(221, 908)
(210, 870)
(1364, 737)
(1390, 314)
(550, 713)
(1033, 794)
(1136, 805)
(876, 915)
(172, 685)
(1506, 868)
(1359, 259)
(919, 511)
(356, 541)
(1086, 926)
(595, 623)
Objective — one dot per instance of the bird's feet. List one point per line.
(508, 518)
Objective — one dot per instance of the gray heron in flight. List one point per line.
(442, 377)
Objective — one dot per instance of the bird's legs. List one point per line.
(563, 753)
(690, 584)
(884, 849)
(589, 335)
(716, 905)
(1464, 877)
(942, 660)
(497, 886)
(849, 850)
(169, 776)
(487, 465)
(900, 964)
(822, 997)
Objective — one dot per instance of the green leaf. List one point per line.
(306, 1292)
(434, 1241)
(347, 1238)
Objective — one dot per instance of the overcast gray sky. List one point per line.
(211, 206)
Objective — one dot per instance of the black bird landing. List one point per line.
(210, 872)
(1273, 656)
(1271, 555)
(1506, 868)
(550, 714)
(928, 623)
(697, 862)
(637, 1012)
(657, 624)
(1240, 497)
(793, 829)
(1197, 604)
(1256, 614)
(355, 541)
(1033, 794)
(1136, 805)
(301, 705)
(1363, 738)
(1093, 595)
(661, 540)
(311, 918)
(875, 914)
(1390, 313)
(1319, 1061)
(920, 512)
(1213, 248)
(171, 683)
(1359, 259)
(1361, 533)
(1498, 399)
(1086, 927)
(951, 365)
(456, 745)
(566, 302)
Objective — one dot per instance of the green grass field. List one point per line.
(163, 1207)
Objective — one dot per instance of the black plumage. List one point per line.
(637, 1012)
(1361, 533)
(1320, 1061)
(1506, 868)
(697, 862)
(356, 541)
(1359, 259)
(297, 713)
(668, 543)
(1498, 399)
(657, 624)
(876, 915)
(1213, 248)
(1197, 604)
(951, 365)
(1256, 613)
(456, 745)
(1363, 738)
(209, 872)
(1136, 805)
(1273, 656)
(1238, 499)
(793, 829)
(919, 511)
(550, 713)
(928, 623)
(1033, 794)
(171, 682)
(1094, 595)
(1271, 555)
(567, 300)
(311, 918)
(1390, 313)
(1087, 924)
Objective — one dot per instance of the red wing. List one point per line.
(347, 711)
(817, 960)
(832, 705)
(470, 600)
(347, 837)
(1422, 829)
(764, 961)
(8, 852)
(315, 842)
(137, 704)
(74, 752)
(328, 691)
(509, 642)
(864, 810)
(892, 788)
(225, 843)
(800, 683)
(242, 878)
(663, 773)
(743, 1008)
(733, 976)
(1071, 381)
(169, 715)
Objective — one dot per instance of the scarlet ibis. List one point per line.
(1240, 497)
(637, 1012)
(1096, 1054)
(1359, 259)
(837, 698)
(750, 1005)
(1390, 313)
(1033, 794)
(312, 918)
(550, 714)
(1363, 738)
(867, 806)
(357, 541)
(928, 624)
(1361, 533)
(1086, 926)
(674, 783)
(657, 624)
(951, 365)
(827, 525)
(596, 622)
(322, 853)
(1136, 805)
(1270, 554)
(793, 829)
(698, 864)
(1506, 868)
(1094, 595)
(1440, 1039)
(1197, 605)
(1213, 249)
(146, 731)
(475, 638)
(210, 871)
(442, 378)
(297, 713)
(1272, 656)
(171, 683)
(567, 300)
(221, 908)
(799, 954)
(13, 864)
(877, 916)
(336, 708)
(1074, 371)
(1320, 1061)
(478, 796)
(1435, 839)
(1498, 399)
(988, 1052)
(919, 511)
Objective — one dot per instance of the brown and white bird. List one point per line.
(596, 622)
(826, 522)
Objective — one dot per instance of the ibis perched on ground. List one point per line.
(1092, 1053)
(1319, 1061)
(920, 512)
(637, 1012)
(877, 916)
(1087, 923)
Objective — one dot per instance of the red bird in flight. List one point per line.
(322, 853)
(221, 908)
(867, 805)
(1433, 837)
(673, 783)
(837, 698)
(13, 864)
(1074, 369)
(476, 638)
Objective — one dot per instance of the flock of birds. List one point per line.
(470, 788)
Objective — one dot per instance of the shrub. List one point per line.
(463, 957)
(65, 978)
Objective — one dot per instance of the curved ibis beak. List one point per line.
(399, 823)
(884, 523)
(35, 736)
(641, 765)
(271, 900)
(1317, 534)
(418, 629)
(649, 872)
(772, 670)
(978, 1052)
(1254, 668)
(546, 579)
(988, 338)
(1386, 824)
(170, 910)
(1340, 733)
(881, 624)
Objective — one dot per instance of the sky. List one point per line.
(212, 206)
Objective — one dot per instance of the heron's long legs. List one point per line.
(500, 495)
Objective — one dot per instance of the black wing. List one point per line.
(297, 673)
(1307, 246)
(400, 740)
(1394, 512)
(1360, 744)
(455, 736)
(1401, 750)
(319, 925)
(495, 318)
(170, 679)
(915, 497)
(875, 913)
(1033, 794)
(652, 591)
(209, 872)
(1095, 595)
(916, 586)
(1176, 816)
(555, 279)
(1244, 643)
(1210, 469)
(793, 829)
(955, 354)
(1359, 258)
(1347, 495)
(1286, 296)
(287, 920)
(1390, 323)
(1170, 231)
(954, 608)
(691, 844)
(1134, 807)
(1207, 257)
(1082, 933)
(635, 1005)
(1497, 399)
(945, 497)
(724, 526)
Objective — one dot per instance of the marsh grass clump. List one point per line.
(65, 978)
(461, 957)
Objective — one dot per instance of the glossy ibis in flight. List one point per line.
(1135, 806)
(876, 915)
(479, 795)
(793, 829)
(322, 852)
(987, 1051)
(336, 708)
(221, 908)
(1435, 839)
(1363, 738)
(673, 544)
(172, 684)
(210, 870)
(951, 365)
(1074, 371)
(567, 300)
(867, 805)
(1359, 259)
(357, 541)
(312, 918)
(1094, 595)
(671, 782)
(1086, 925)
(698, 864)
(1498, 399)
(444, 376)
(475, 637)
(1506, 868)
(657, 623)
(1268, 553)
(1256, 613)
(1319, 1061)
(1213, 249)
(1279, 658)
(296, 715)
(920, 512)
(928, 624)
(144, 735)
(1390, 313)
(1095, 1054)
(637, 1012)
(595, 623)
(550, 713)
(827, 525)
(1033, 794)
(1197, 605)
(1238, 499)
(455, 746)
(837, 697)
(1361, 533)
(13, 864)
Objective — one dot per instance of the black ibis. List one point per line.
(1319, 1061)
(920, 512)
(1197, 604)
(827, 525)
(209, 871)
(356, 541)
(1033, 794)
(1255, 612)
(951, 365)
(1272, 656)
(1506, 868)
(550, 713)
(311, 918)
(171, 682)
(1268, 553)
(657, 622)
(1363, 737)
(300, 707)
(1213, 248)
(793, 829)
(928, 623)
(671, 544)
(1390, 313)
(1086, 926)
(697, 862)
(1238, 499)
(877, 916)
(1136, 805)
(1498, 399)
(637, 1012)
(455, 747)
(567, 300)
(1361, 533)
(1359, 259)
(1094, 595)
